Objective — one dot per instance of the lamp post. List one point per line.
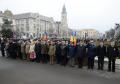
(86, 34)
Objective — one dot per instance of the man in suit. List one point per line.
(80, 53)
(91, 53)
(112, 52)
(101, 53)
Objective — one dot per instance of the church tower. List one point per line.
(64, 24)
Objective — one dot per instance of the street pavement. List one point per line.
(23, 72)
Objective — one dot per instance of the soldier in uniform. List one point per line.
(112, 54)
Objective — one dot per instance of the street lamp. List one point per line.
(86, 34)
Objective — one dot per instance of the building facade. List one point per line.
(33, 25)
(1, 19)
(88, 34)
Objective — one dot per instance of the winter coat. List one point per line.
(91, 51)
(32, 48)
(63, 50)
(112, 52)
(101, 51)
(80, 51)
(44, 49)
(23, 48)
(52, 50)
(27, 48)
(58, 50)
(71, 51)
(2, 46)
(38, 48)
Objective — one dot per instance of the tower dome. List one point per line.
(8, 13)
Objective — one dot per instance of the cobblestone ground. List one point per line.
(22, 72)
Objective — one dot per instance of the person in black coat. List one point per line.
(112, 52)
(71, 54)
(80, 53)
(3, 48)
(18, 49)
(101, 53)
(64, 50)
(91, 53)
(58, 52)
(38, 51)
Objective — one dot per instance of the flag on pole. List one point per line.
(73, 38)
(45, 37)
(75, 41)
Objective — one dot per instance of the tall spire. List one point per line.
(64, 9)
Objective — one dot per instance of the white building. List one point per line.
(1, 19)
(89, 33)
(33, 25)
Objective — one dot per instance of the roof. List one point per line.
(32, 15)
(23, 15)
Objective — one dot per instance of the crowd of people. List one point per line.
(62, 52)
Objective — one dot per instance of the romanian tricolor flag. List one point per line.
(45, 37)
(75, 41)
(73, 38)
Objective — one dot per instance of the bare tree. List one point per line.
(117, 32)
(110, 34)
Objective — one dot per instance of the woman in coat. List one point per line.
(23, 50)
(44, 51)
(51, 52)
(27, 48)
(32, 51)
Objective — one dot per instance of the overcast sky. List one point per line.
(96, 14)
